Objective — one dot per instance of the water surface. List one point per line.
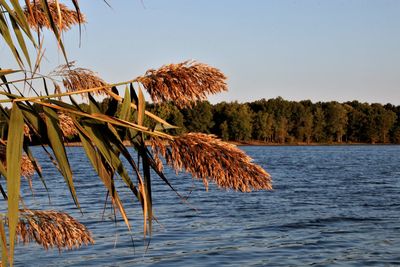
(331, 206)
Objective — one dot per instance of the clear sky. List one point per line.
(319, 50)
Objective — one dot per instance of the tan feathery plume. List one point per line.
(183, 83)
(27, 132)
(210, 159)
(67, 125)
(52, 229)
(27, 168)
(37, 18)
(75, 79)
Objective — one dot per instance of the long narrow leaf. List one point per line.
(126, 107)
(54, 28)
(4, 31)
(21, 40)
(7, 71)
(104, 173)
(141, 107)
(56, 143)
(13, 158)
(19, 15)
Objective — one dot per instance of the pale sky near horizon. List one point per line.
(339, 50)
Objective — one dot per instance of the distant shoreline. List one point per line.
(260, 143)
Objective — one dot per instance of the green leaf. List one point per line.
(141, 107)
(4, 31)
(53, 26)
(14, 153)
(104, 171)
(56, 143)
(21, 40)
(19, 15)
(97, 134)
(147, 184)
(126, 106)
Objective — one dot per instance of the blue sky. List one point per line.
(319, 50)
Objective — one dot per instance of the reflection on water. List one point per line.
(331, 206)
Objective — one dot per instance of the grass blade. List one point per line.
(141, 107)
(104, 173)
(56, 143)
(21, 40)
(14, 154)
(126, 106)
(4, 31)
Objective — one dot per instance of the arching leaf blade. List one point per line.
(13, 157)
(57, 145)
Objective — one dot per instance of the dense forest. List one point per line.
(280, 121)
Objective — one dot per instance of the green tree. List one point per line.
(263, 126)
(356, 122)
(382, 120)
(240, 122)
(319, 124)
(336, 118)
(224, 129)
(199, 118)
(306, 128)
(281, 130)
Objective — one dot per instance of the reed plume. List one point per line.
(67, 125)
(183, 83)
(52, 229)
(75, 79)
(37, 17)
(210, 159)
(27, 168)
(27, 132)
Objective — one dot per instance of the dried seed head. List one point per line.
(75, 79)
(67, 125)
(37, 17)
(210, 159)
(27, 132)
(183, 83)
(52, 229)
(27, 168)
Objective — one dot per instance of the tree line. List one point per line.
(282, 121)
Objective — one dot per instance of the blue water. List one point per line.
(331, 206)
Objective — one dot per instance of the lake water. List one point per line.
(331, 206)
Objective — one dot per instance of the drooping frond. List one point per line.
(52, 229)
(210, 159)
(75, 79)
(183, 83)
(37, 17)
